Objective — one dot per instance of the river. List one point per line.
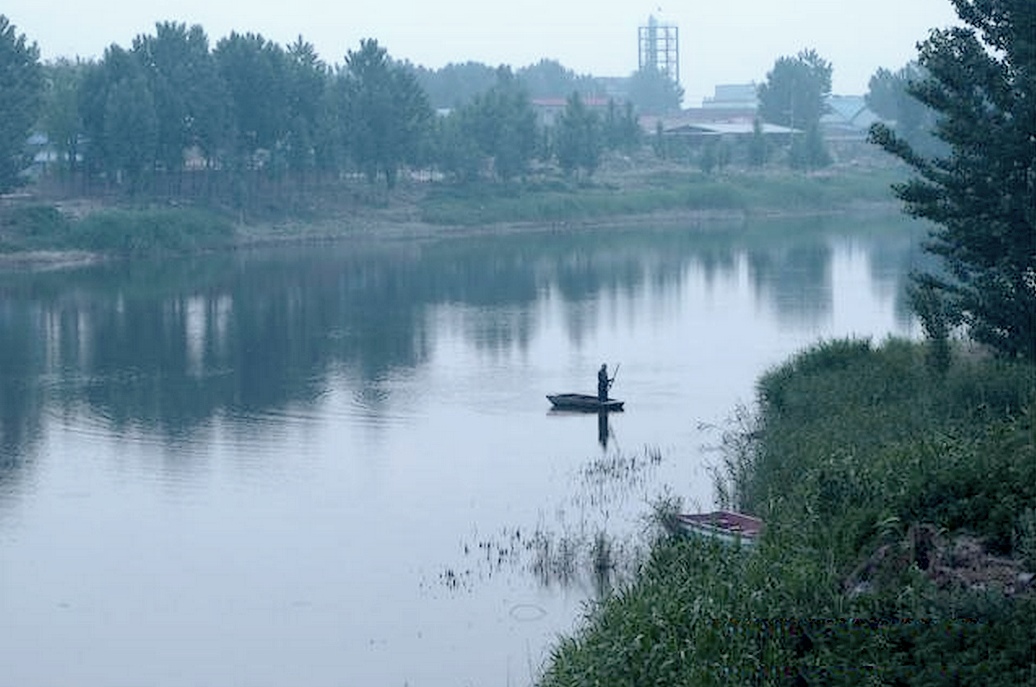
(336, 465)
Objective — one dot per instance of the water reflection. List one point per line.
(21, 403)
(164, 347)
(796, 278)
(603, 430)
(275, 454)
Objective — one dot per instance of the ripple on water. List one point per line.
(527, 613)
(104, 445)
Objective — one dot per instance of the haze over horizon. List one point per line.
(717, 45)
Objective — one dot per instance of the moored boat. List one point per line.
(723, 525)
(584, 402)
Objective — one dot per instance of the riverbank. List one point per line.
(37, 231)
(900, 542)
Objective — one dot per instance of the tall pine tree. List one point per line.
(21, 94)
(981, 195)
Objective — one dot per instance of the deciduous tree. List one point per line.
(888, 96)
(118, 115)
(758, 147)
(456, 84)
(60, 119)
(456, 151)
(550, 79)
(307, 83)
(621, 129)
(578, 137)
(190, 98)
(503, 124)
(795, 89)
(794, 95)
(653, 92)
(254, 70)
(131, 128)
(390, 113)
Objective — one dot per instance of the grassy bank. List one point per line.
(655, 192)
(901, 530)
(125, 232)
(611, 195)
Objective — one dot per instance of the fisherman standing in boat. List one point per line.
(603, 383)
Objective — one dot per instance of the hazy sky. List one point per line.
(721, 41)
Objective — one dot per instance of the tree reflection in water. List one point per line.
(165, 346)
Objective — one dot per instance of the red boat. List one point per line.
(724, 525)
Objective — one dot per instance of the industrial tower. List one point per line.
(659, 48)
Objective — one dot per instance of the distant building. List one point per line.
(847, 118)
(734, 97)
(691, 133)
(737, 113)
(845, 126)
(692, 126)
(43, 155)
(729, 118)
(549, 109)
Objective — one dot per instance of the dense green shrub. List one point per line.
(874, 473)
(32, 227)
(848, 427)
(119, 231)
(143, 232)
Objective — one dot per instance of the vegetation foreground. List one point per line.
(900, 504)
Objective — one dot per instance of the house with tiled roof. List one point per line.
(847, 118)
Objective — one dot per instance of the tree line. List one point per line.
(247, 113)
(246, 117)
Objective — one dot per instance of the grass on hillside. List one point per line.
(901, 520)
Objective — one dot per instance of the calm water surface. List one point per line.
(335, 465)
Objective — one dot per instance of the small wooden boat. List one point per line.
(723, 525)
(583, 402)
